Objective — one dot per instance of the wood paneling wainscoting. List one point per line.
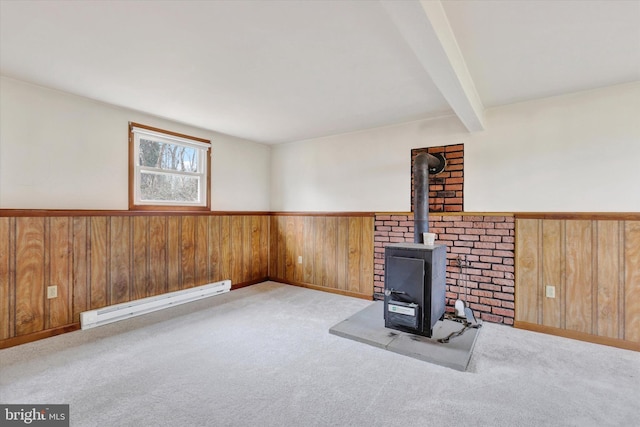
(336, 251)
(99, 259)
(593, 260)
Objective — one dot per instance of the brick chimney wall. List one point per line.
(486, 242)
(446, 189)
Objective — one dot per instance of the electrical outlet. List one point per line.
(551, 291)
(52, 292)
(300, 259)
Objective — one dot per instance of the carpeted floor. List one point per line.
(263, 356)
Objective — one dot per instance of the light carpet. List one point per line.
(263, 356)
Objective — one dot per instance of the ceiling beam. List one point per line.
(425, 28)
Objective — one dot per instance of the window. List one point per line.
(168, 170)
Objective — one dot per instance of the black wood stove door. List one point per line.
(405, 296)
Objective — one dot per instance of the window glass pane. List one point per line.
(168, 156)
(161, 187)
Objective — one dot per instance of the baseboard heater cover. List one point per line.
(126, 310)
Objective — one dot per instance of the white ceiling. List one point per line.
(520, 50)
(279, 71)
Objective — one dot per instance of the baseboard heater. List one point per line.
(126, 310)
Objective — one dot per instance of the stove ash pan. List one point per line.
(415, 286)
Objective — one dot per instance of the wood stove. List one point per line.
(415, 273)
(415, 281)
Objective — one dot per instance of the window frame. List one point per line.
(171, 138)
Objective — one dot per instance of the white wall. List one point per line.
(573, 153)
(61, 151)
(360, 171)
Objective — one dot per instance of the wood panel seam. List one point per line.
(621, 279)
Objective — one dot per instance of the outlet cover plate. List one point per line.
(52, 292)
(551, 291)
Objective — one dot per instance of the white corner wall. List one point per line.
(572, 153)
(61, 151)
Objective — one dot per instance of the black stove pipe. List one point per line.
(421, 166)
